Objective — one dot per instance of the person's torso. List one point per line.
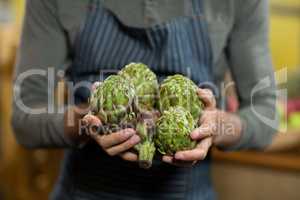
(173, 45)
(220, 18)
(102, 43)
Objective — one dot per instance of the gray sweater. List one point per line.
(238, 31)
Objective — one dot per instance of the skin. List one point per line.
(115, 144)
(210, 132)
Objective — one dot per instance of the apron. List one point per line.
(104, 45)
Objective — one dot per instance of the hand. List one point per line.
(224, 128)
(203, 134)
(217, 127)
(114, 144)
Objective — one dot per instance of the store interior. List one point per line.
(270, 174)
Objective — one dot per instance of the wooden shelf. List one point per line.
(281, 161)
(284, 142)
(9, 39)
(282, 154)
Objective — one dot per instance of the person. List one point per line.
(197, 38)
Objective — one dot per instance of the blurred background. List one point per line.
(273, 174)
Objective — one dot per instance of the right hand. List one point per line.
(114, 144)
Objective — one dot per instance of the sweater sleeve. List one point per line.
(42, 53)
(251, 66)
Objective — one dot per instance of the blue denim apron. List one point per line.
(104, 45)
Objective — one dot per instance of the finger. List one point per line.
(170, 160)
(91, 119)
(95, 85)
(90, 123)
(207, 97)
(112, 139)
(198, 134)
(129, 156)
(115, 150)
(167, 159)
(190, 155)
(199, 153)
(206, 115)
(205, 144)
(204, 131)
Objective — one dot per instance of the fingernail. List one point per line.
(95, 85)
(128, 133)
(167, 159)
(179, 156)
(135, 139)
(194, 134)
(130, 130)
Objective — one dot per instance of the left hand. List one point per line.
(203, 135)
(219, 128)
